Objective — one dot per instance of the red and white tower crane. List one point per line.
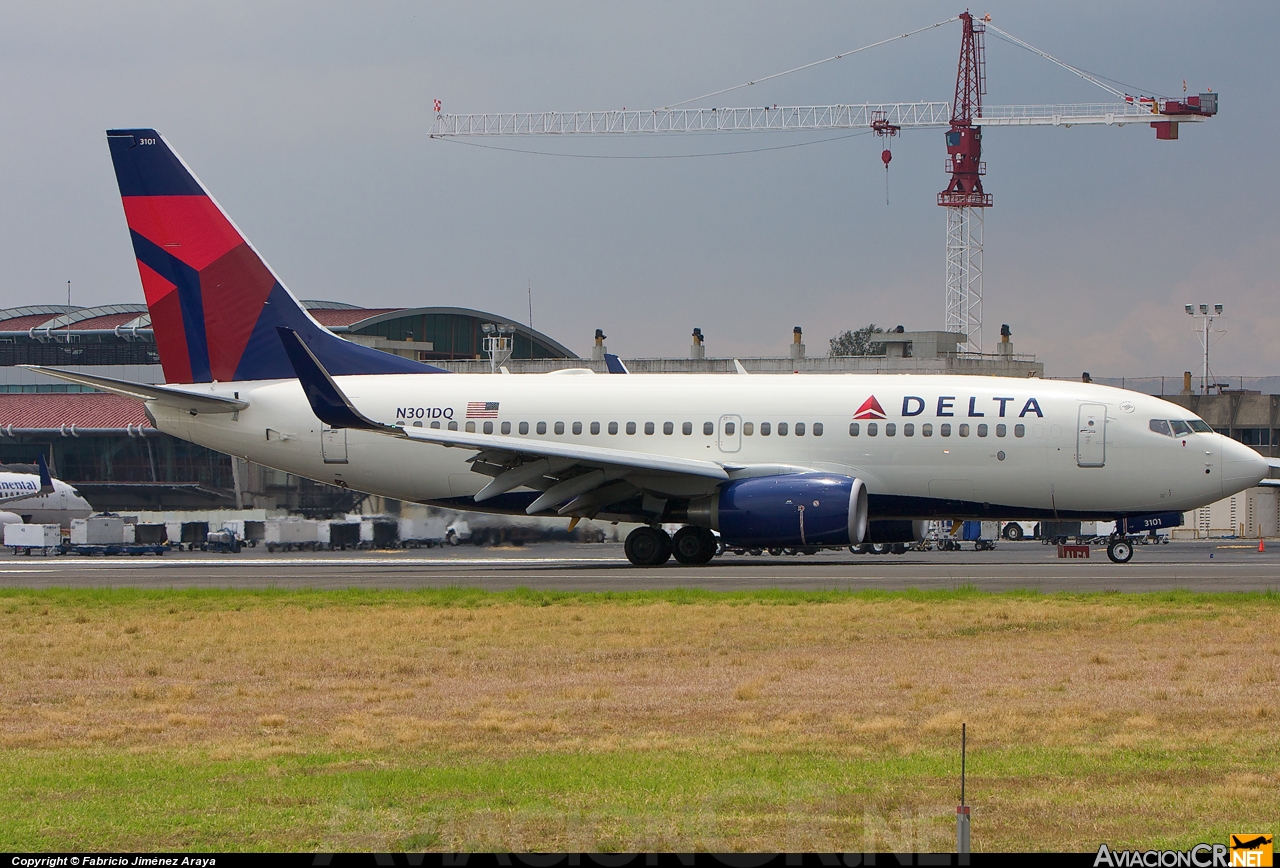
(964, 119)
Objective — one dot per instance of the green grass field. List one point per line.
(681, 720)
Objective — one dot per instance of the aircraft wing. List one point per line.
(46, 483)
(564, 471)
(167, 395)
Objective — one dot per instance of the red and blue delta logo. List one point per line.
(870, 409)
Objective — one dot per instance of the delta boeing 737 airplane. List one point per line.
(765, 461)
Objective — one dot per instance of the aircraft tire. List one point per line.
(647, 547)
(1120, 551)
(693, 545)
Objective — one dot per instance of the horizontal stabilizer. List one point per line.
(165, 395)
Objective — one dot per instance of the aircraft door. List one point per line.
(1091, 436)
(333, 445)
(729, 437)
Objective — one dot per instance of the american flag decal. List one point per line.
(482, 409)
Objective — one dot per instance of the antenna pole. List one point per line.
(962, 812)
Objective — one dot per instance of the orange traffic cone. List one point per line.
(1262, 544)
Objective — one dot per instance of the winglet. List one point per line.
(46, 478)
(327, 401)
(614, 364)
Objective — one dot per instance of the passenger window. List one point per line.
(817, 429)
(799, 429)
(631, 427)
(506, 428)
(542, 427)
(926, 430)
(764, 429)
(1202, 427)
(890, 429)
(524, 427)
(559, 428)
(982, 429)
(686, 428)
(613, 427)
(648, 427)
(668, 428)
(908, 429)
(782, 429)
(964, 429)
(435, 424)
(595, 427)
(708, 428)
(1180, 428)
(488, 427)
(1160, 426)
(1001, 429)
(872, 429)
(944, 430)
(1019, 430)
(415, 424)
(453, 426)
(748, 428)
(577, 427)
(729, 428)
(854, 428)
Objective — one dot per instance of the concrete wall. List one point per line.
(1249, 514)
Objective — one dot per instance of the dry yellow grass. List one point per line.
(846, 679)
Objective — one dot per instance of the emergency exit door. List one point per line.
(333, 445)
(1091, 436)
(730, 433)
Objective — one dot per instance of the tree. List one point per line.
(857, 343)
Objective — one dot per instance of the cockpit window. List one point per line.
(1200, 426)
(1180, 428)
(1160, 426)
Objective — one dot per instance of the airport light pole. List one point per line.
(1206, 320)
(498, 343)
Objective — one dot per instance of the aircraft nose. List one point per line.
(1242, 467)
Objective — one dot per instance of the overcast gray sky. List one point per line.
(309, 122)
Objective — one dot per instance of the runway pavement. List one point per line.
(1199, 566)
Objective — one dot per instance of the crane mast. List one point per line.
(964, 119)
(964, 197)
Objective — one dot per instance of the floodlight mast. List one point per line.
(964, 119)
(1206, 321)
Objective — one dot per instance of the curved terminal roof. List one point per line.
(456, 331)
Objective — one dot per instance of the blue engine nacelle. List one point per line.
(802, 509)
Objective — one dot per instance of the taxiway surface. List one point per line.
(1196, 566)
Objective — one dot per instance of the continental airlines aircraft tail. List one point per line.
(762, 461)
(215, 304)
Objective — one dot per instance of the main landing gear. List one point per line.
(651, 546)
(1120, 551)
(648, 547)
(694, 545)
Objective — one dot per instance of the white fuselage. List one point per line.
(1031, 447)
(60, 506)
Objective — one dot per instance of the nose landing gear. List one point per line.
(1120, 551)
